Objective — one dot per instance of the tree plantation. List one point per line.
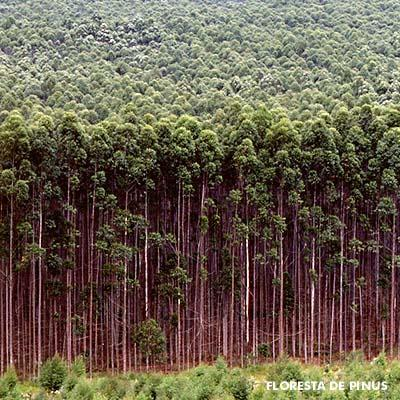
(181, 180)
(182, 56)
(143, 241)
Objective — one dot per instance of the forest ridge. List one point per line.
(223, 181)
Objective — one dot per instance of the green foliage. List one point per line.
(78, 367)
(207, 150)
(204, 380)
(221, 365)
(258, 393)
(238, 385)
(140, 56)
(286, 370)
(146, 386)
(394, 374)
(70, 382)
(381, 360)
(112, 388)
(53, 373)
(150, 338)
(220, 383)
(170, 388)
(8, 383)
(84, 391)
(264, 350)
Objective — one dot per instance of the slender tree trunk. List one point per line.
(91, 274)
(125, 295)
(146, 261)
(393, 287)
(282, 283)
(69, 285)
(354, 310)
(333, 317)
(10, 286)
(40, 275)
(341, 349)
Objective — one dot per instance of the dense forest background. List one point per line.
(175, 57)
(183, 179)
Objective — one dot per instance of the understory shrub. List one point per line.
(8, 383)
(264, 350)
(69, 383)
(205, 382)
(394, 373)
(171, 388)
(53, 374)
(238, 385)
(82, 391)
(78, 367)
(146, 386)
(285, 370)
(112, 388)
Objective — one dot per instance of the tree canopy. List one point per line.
(185, 179)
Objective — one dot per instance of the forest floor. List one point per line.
(352, 379)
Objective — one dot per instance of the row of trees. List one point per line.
(139, 241)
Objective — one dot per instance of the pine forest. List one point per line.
(182, 180)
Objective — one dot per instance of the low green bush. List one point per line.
(8, 383)
(171, 388)
(238, 385)
(53, 374)
(264, 350)
(69, 383)
(258, 393)
(78, 367)
(112, 388)
(146, 386)
(393, 376)
(381, 360)
(286, 370)
(205, 380)
(220, 370)
(215, 382)
(203, 392)
(82, 391)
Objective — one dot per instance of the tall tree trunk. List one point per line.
(10, 286)
(393, 286)
(282, 283)
(342, 224)
(125, 294)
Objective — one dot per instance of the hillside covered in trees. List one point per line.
(186, 179)
(178, 56)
